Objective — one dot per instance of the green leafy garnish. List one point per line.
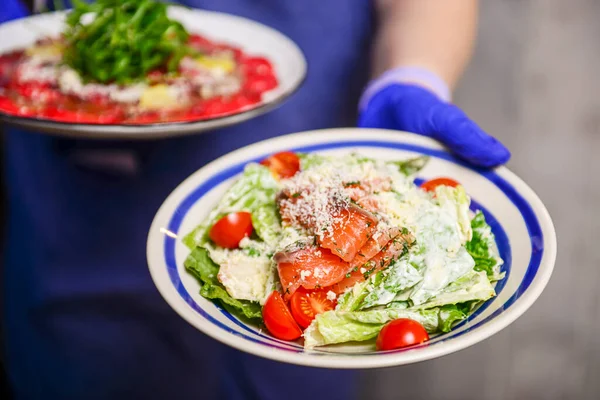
(124, 41)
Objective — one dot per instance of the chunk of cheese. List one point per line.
(46, 52)
(225, 65)
(158, 97)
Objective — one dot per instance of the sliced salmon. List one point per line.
(362, 192)
(352, 228)
(394, 249)
(310, 267)
(374, 245)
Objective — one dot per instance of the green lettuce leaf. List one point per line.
(456, 202)
(407, 167)
(200, 265)
(450, 315)
(401, 275)
(472, 286)
(266, 222)
(254, 192)
(411, 166)
(353, 298)
(481, 246)
(311, 160)
(340, 326)
(442, 269)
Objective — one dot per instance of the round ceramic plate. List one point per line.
(524, 234)
(254, 38)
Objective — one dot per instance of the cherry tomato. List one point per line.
(229, 230)
(283, 165)
(430, 185)
(278, 319)
(305, 305)
(402, 332)
(260, 84)
(258, 66)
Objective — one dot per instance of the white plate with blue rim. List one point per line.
(524, 233)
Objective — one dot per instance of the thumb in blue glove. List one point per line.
(415, 109)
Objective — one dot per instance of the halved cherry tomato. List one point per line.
(260, 84)
(229, 230)
(305, 305)
(283, 165)
(278, 319)
(258, 66)
(402, 332)
(430, 185)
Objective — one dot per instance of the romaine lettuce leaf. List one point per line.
(265, 220)
(353, 298)
(481, 246)
(451, 314)
(311, 160)
(456, 202)
(473, 286)
(401, 275)
(407, 167)
(411, 166)
(442, 269)
(200, 265)
(340, 326)
(254, 192)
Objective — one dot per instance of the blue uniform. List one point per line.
(82, 317)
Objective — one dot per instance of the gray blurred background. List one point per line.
(534, 84)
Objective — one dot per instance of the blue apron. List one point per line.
(81, 315)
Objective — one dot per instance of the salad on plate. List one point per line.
(128, 62)
(336, 249)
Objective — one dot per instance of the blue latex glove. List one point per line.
(12, 9)
(415, 109)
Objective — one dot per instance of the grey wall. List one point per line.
(534, 83)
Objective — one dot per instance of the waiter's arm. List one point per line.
(435, 34)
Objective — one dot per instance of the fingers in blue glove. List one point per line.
(415, 109)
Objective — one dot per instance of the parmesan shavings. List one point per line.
(313, 198)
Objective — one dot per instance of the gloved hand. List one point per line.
(12, 9)
(390, 104)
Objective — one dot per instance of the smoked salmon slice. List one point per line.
(393, 250)
(310, 267)
(351, 230)
(374, 245)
